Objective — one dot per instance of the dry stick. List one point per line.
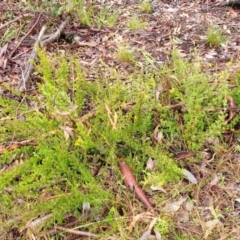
(31, 29)
(29, 66)
(14, 20)
(16, 145)
(232, 113)
(28, 142)
(76, 232)
(57, 34)
(188, 229)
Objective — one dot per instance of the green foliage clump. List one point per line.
(76, 120)
(125, 54)
(215, 36)
(87, 14)
(54, 165)
(106, 17)
(196, 117)
(146, 6)
(136, 23)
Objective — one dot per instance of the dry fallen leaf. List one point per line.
(45, 194)
(215, 180)
(150, 164)
(36, 224)
(131, 182)
(89, 44)
(3, 50)
(182, 217)
(138, 218)
(210, 225)
(151, 234)
(158, 188)
(68, 132)
(86, 210)
(174, 206)
(189, 206)
(188, 175)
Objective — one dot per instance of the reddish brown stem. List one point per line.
(131, 182)
(232, 113)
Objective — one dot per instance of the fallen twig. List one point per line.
(17, 145)
(230, 3)
(23, 143)
(131, 182)
(26, 35)
(138, 218)
(76, 232)
(14, 20)
(29, 65)
(188, 229)
(233, 112)
(39, 43)
(57, 34)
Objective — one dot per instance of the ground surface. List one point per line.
(214, 212)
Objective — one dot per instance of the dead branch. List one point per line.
(57, 34)
(29, 142)
(76, 232)
(234, 111)
(29, 65)
(17, 145)
(26, 35)
(14, 20)
(39, 43)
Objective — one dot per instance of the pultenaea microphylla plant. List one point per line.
(60, 166)
(101, 129)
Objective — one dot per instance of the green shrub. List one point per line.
(76, 120)
(215, 36)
